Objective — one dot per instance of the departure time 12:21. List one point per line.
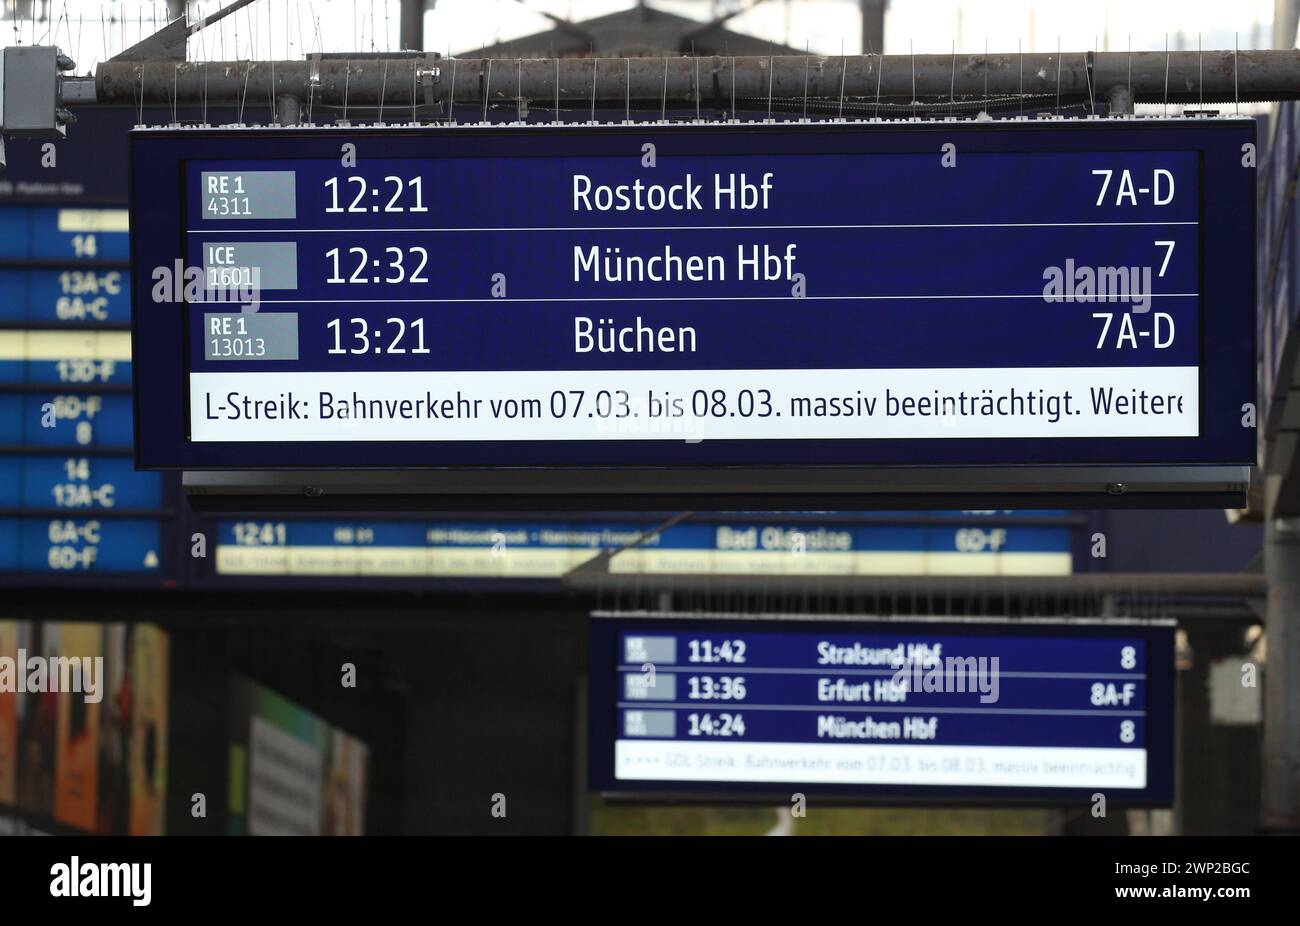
(355, 194)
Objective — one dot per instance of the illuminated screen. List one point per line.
(752, 295)
(884, 710)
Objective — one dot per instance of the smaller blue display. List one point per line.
(880, 710)
(914, 544)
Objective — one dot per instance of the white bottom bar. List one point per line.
(548, 563)
(865, 764)
(711, 404)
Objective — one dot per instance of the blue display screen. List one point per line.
(756, 295)
(73, 507)
(912, 543)
(882, 710)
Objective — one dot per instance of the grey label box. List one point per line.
(649, 686)
(248, 194)
(230, 263)
(659, 650)
(29, 90)
(657, 724)
(250, 336)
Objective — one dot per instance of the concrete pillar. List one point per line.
(1280, 792)
(412, 25)
(873, 26)
(1286, 14)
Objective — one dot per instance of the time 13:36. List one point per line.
(362, 336)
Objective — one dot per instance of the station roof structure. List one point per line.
(639, 31)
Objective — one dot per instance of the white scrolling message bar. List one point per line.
(695, 405)
(866, 764)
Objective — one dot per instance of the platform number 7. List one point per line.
(1169, 252)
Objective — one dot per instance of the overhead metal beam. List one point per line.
(1212, 77)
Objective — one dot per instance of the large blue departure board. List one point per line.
(751, 295)
(883, 710)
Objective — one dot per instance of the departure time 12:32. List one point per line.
(399, 265)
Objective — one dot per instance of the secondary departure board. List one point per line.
(71, 500)
(882, 710)
(898, 543)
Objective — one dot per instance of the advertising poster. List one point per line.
(345, 783)
(37, 723)
(8, 711)
(148, 684)
(83, 725)
(78, 678)
(114, 734)
(291, 772)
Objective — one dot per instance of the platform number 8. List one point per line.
(1128, 657)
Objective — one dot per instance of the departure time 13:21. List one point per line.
(395, 336)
